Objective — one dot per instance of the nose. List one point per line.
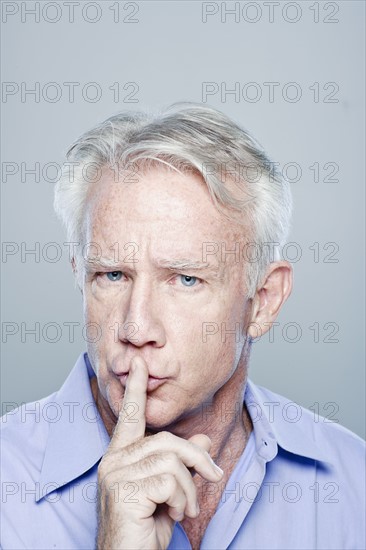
(142, 315)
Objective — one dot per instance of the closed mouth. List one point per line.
(153, 382)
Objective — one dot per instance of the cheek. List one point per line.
(113, 393)
(207, 358)
(221, 351)
(101, 312)
(213, 344)
(99, 333)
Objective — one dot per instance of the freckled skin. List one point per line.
(166, 215)
(169, 216)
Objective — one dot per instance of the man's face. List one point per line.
(151, 304)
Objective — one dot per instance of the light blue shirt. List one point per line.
(300, 483)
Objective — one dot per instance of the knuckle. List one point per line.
(171, 459)
(105, 465)
(167, 460)
(150, 461)
(168, 481)
(133, 448)
(106, 479)
(165, 436)
(161, 482)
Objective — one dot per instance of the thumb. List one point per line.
(201, 440)
(205, 443)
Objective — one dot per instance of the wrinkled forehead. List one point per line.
(162, 219)
(155, 194)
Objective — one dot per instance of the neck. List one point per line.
(225, 419)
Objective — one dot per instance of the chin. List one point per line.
(159, 415)
(166, 416)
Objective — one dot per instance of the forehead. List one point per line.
(159, 202)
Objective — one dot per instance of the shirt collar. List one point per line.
(280, 422)
(77, 437)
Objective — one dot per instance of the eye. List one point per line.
(114, 275)
(188, 280)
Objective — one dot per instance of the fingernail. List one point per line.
(218, 470)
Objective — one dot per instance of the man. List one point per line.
(158, 439)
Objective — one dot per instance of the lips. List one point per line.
(152, 384)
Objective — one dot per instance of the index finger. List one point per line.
(131, 422)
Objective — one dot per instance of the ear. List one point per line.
(270, 297)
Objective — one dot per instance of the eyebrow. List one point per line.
(183, 264)
(191, 265)
(171, 265)
(100, 261)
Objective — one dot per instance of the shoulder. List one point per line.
(28, 417)
(298, 426)
(23, 435)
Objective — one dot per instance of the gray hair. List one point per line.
(186, 136)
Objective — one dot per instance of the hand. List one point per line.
(144, 482)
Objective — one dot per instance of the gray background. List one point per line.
(169, 52)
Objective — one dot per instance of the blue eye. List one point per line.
(114, 275)
(187, 280)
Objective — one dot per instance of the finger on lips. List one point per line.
(130, 432)
(131, 428)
